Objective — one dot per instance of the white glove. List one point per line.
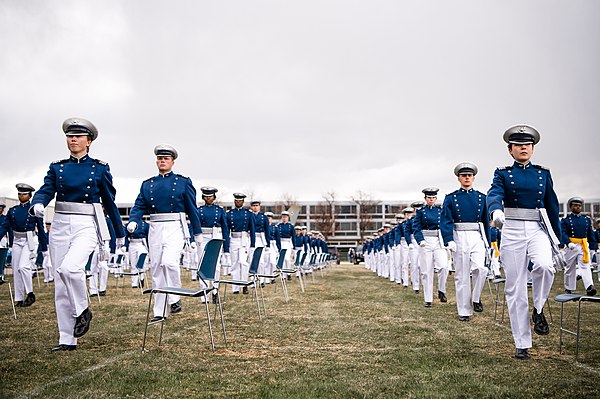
(32, 255)
(572, 245)
(423, 243)
(38, 210)
(120, 242)
(411, 246)
(267, 250)
(193, 245)
(131, 227)
(498, 218)
(45, 253)
(198, 238)
(451, 246)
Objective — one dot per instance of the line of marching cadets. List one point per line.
(87, 228)
(515, 225)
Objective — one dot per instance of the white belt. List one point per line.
(165, 217)
(430, 233)
(286, 239)
(18, 234)
(74, 208)
(209, 230)
(136, 240)
(466, 226)
(532, 215)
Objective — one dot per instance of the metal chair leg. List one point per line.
(162, 325)
(212, 339)
(12, 300)
(301, 282)
(147, 318)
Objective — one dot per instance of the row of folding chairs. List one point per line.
(206, 273)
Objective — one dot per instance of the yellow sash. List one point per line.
(584, 245)
(496, 251)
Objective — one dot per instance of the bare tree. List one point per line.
(366, 207)
(324, 215)
(286, 202)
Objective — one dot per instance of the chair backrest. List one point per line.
(210, 257)
(88, 265)
(3, 253)
(255, 260)
(313, 259)
(281, 259)
(141, 260)
(119, 259)
(303, 258)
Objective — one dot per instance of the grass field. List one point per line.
(351, 335)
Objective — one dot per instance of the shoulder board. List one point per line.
(182, 176)
(541, 167)
(504, 167)
(61, 161)
(148, 179)
(100, 162)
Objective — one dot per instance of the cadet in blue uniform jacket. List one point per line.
(241, 226)
(168, 198)
(286, 237)
(261, 236)
(578, 237)
(24, 245)
(465, 231)
(413, 249)
(80, 183)
(426, 225)
(522, 199)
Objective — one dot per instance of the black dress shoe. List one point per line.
(19, 304)
(416, 292)
(244, 290)
(463, 318)
(102, 293)
(82, 323)
(215, 299)
(568, 291)
(262, 285)
(29, 300)
(156, 319)
(176, 307)
(522, 354)
(235, 292)
(63, 347)
(442, 296)
(591, 290)
(427, 304)
(478, 307)
(289, 277)
(540, 325)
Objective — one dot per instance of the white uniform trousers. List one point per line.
(574, 258)
(469, 259)
(260, 241)
(72, 239)
(272, 255)
(204, 239)
(21, 264)
(239, 259)
(404, 258)
(48, 269)
(99, 270)
(433, 255)
(415, 269)
(165, 241)
(524, 241)
(286, 243)
(136, 248)
(396, 275)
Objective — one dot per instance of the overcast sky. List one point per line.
(304, 97)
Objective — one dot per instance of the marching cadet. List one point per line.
(137, 244)
(168, 198)
(79, 183)
(578, 235)
(262, 236)
(241, 226)
(413, 249)
(298, 245)
(465, 230)
(387, 251)
(306, 245)
(213, 220)
(286, 237)
(426, 229)
(25, 243)
(274, 244)
(522, 199)
(395, 269)
(6, 238)
(403, 247)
